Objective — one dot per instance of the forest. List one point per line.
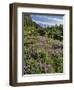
(43, 48)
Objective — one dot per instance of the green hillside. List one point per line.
(43, 48)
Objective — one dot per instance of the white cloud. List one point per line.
(55, 19)
(50, 20)
(47, 23)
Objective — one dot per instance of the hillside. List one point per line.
(43, 48)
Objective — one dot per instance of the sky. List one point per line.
(47, 20)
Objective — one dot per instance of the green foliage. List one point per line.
(43, 48)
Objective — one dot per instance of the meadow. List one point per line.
(43, 48)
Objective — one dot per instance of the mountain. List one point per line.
(43, 25)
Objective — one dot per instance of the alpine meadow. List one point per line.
(43, 43)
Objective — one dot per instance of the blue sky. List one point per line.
(47, 20)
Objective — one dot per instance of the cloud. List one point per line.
(55, 19)
(47, 20)
(45, 23)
